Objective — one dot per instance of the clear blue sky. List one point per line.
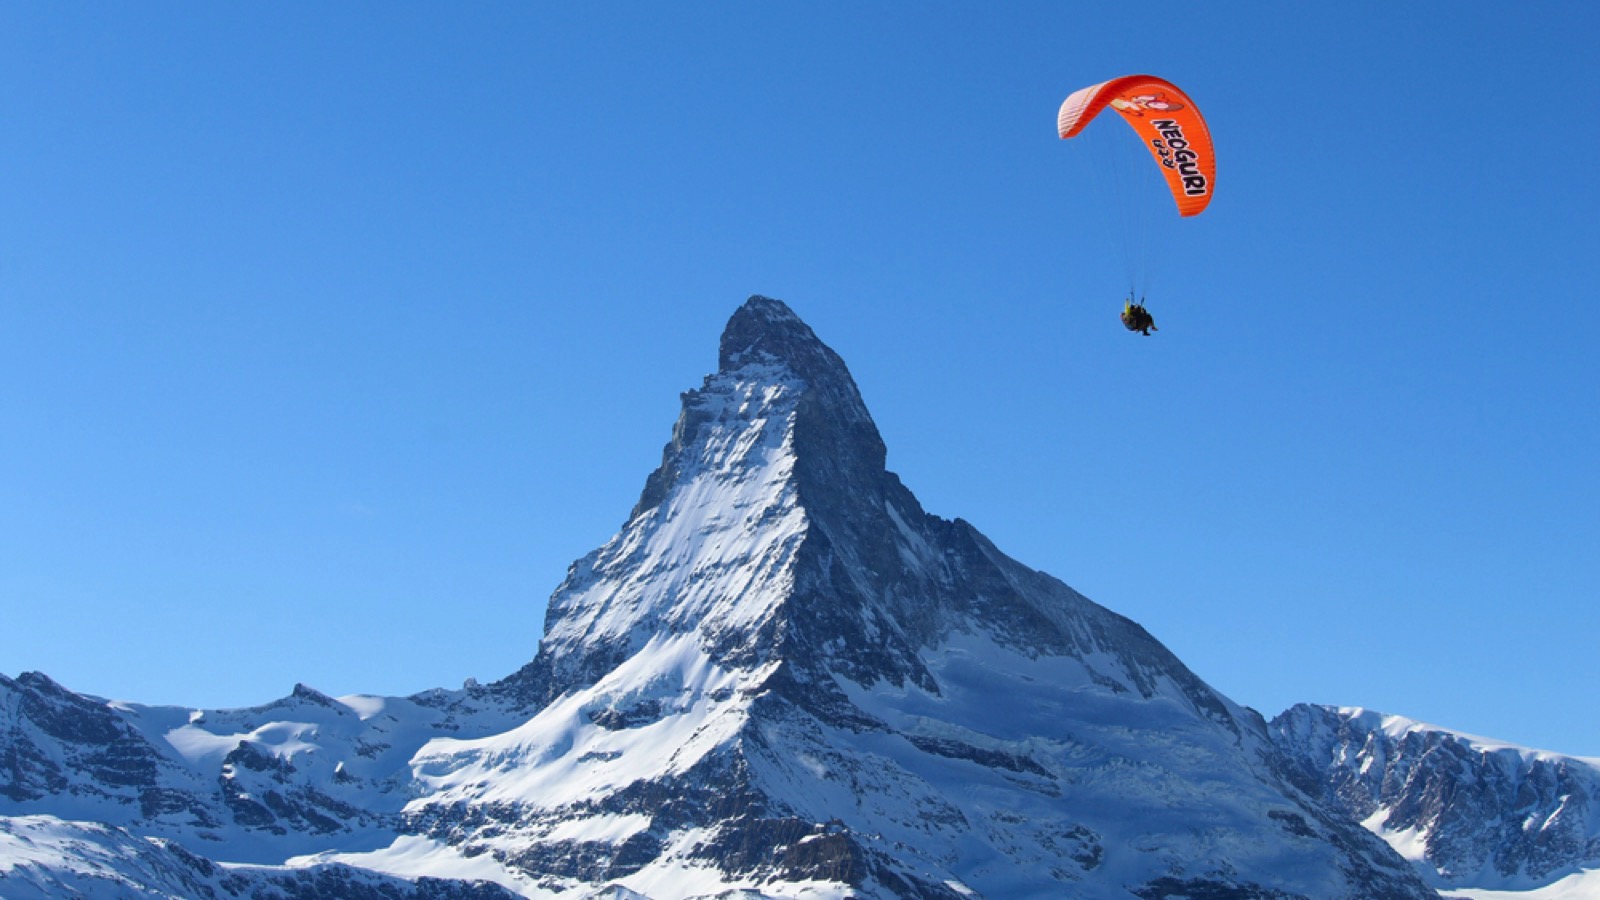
(330, 337)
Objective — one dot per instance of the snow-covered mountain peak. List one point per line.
(780, 678)
(772, 453)
(834, 420)
(767, 331)
(773, 531)
(783, 663)
(762, 327)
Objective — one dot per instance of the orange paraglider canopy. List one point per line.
(1168, 122)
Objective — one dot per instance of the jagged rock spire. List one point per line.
(874, 685)
(766, 331)
(773, 529)
(764, 340)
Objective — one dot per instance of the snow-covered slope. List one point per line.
(1476, 816)
(47, 858)
(781, 676)
(253, 785)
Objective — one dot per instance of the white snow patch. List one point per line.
(1583, 885)
(813, 765)
(607, 829)
(1397, 727)
(1410, 843)
(201, 747)
(365, 706)
(414, 856)
(282, 739)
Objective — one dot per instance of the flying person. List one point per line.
(1136, 318)
(1170, 127)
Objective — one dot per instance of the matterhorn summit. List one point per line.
(781, 678)
(783, 675)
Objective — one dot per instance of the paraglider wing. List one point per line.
(1169, 124)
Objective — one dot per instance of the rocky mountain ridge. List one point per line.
(1472, 813)
(782, 677)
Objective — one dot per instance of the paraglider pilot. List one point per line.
(1136, 318)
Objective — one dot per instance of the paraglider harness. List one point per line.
(1136, 318)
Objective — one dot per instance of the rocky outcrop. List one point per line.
(1486, 814)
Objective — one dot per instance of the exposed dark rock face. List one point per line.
(1485, 812)
(54, 742)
